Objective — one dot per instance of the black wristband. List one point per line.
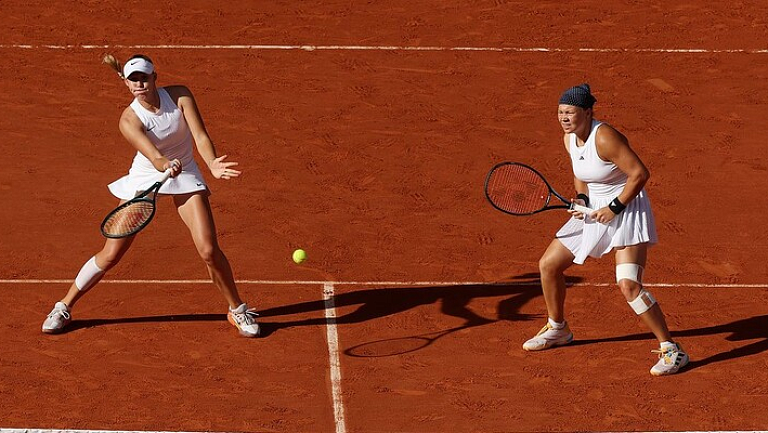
(584, 197)
(617, 206)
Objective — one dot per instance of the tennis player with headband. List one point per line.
(610, 178)
(163, 124)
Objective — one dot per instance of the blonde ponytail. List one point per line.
(112, 62)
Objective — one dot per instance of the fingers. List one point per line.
(601, 218)
(175, 167)
(230, 173)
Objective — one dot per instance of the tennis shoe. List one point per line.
(671, 360)
(244, 320)
(549, 337)
(57, 319)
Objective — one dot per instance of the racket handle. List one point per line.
(583, 209)
(166, 175)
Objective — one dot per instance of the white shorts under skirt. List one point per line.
(587, 238)
(128, 186)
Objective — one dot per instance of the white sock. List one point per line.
(240, 309)
(668, 345)
(556, 325)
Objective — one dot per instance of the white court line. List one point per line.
(387, 283)
(384, 48)
(333, 358)
(19, 430)
(39, 430)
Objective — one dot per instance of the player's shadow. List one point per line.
(375, 303)
(380, 302)
(91, 323)
(752, 328)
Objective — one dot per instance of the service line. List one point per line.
(382, 48)
(392, 283)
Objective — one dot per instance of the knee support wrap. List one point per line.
(89, 275)
(629, 271)
(643, 302)
(634, 272)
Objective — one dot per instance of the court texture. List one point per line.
(364, 130)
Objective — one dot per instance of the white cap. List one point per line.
(137, 65)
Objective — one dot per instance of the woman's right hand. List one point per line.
(174, 166)
(574, 213)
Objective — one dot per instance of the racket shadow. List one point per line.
(381, 302)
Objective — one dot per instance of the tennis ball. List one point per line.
(299, 256)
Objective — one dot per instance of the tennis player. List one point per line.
(610, 178)
(163, 124)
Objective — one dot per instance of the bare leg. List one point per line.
(195, 211)
(552, 265)
(654, 317)
(107, 258)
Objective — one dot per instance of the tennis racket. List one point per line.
(132, 216)
(518, 189)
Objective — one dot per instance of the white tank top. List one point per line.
(603, 178)
(167, 130)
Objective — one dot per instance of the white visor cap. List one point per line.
(138, 65)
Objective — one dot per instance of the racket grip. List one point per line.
(583, 209)
(166, 175)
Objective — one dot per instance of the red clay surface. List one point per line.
(373, 162)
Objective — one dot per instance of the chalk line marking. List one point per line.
(333, 357)
(382, 48)
(387, 283)
(19, 430)
(39, 430)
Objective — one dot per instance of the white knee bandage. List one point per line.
(643, 302)
(629, 271)
(89, 275)
(634, 272)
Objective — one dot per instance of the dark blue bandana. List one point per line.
(578, 96)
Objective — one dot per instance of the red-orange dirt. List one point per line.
(373, 161)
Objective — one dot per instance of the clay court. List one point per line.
(364, 131)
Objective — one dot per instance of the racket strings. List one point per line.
(129, 219)
(518, 189)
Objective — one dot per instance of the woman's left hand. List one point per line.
(223, 170)
(603, 215)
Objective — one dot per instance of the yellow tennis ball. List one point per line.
(299, 256)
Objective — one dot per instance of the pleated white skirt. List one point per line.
(140, 178)
(587, 238)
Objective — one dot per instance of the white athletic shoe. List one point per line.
(670, 361)
(57, 319)
(549, 337)
(244, 320)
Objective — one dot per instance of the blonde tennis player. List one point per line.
(610, 178)
(163, 125)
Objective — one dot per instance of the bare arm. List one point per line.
(133, 131)
(186, 103)
(614, 147)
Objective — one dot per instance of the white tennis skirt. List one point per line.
(588, 238)
(139, 179)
